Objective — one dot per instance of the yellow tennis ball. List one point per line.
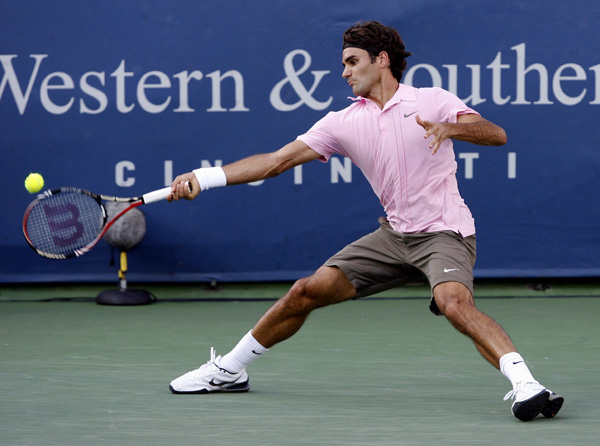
(34, 183)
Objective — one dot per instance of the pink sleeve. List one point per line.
(451, 106)
(321, 138)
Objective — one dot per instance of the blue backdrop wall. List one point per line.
(120, 97)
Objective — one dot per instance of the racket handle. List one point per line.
(160, 194)
(156, 195)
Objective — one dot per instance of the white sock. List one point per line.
(514, 368)
(243, 354)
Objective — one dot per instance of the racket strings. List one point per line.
(65, 222)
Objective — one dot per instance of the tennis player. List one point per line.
(401, 139)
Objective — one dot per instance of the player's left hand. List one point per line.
(439, 130)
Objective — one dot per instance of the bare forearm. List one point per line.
(471, 128)
(254, 168)
(268, 165)
(484, 133)
(247, 170)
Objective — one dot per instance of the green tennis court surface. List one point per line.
(372, 372)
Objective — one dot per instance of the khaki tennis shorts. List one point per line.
(386, 259)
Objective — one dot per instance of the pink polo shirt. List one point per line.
(418, 190)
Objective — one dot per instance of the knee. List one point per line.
(456, 307)
(300, 299)
(326, 286)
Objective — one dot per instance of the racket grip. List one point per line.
(156, 195)
(160, 194)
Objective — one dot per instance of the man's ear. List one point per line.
(384, 59)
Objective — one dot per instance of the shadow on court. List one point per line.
(372, 372)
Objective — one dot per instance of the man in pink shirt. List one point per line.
(401, 139)
(418, 191)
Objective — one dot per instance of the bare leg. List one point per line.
(487, 356)
(327, 286)
(456, 303)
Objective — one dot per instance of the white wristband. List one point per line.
(210, 177)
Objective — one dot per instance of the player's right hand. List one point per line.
(180, 188)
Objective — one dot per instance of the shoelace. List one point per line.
(510, 395)
(520, 387)
(204, 368)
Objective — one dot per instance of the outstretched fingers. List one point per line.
(435, 129)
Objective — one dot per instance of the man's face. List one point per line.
(362, 74)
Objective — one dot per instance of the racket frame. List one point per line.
(134, 202)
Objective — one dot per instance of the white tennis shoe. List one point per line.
(531, 399)
(211, 378)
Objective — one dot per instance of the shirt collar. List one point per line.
(403, 93)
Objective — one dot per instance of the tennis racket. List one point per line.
(67, 222)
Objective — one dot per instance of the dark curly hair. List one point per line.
(374, 38)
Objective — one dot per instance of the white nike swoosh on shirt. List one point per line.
(446, 270)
